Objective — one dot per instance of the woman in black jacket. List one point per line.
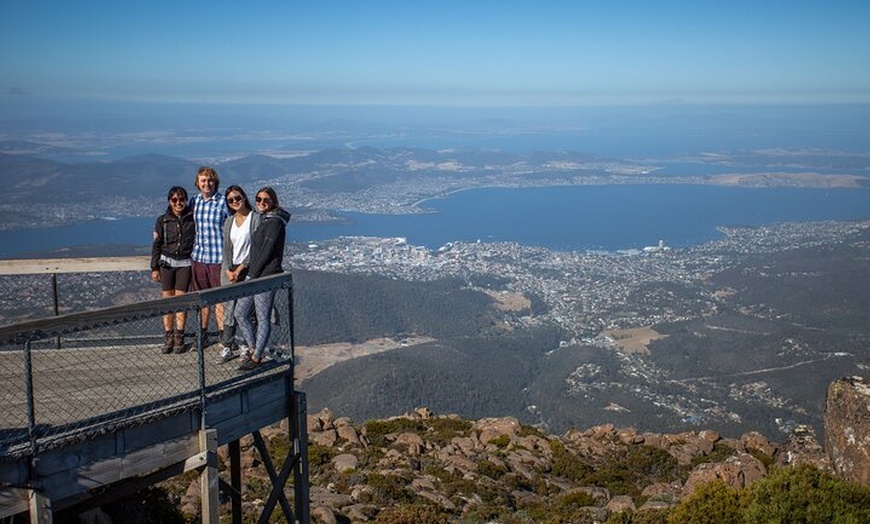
(174, 233)
(267, 257)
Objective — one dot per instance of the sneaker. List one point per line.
(167, 342)
(276, 354)
(227, 354)
(245, 352)
(249, 365)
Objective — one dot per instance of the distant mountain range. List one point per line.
(321, 183)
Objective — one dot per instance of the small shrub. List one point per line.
(646, 516)
(526, 431)
(411, 514)
(319, 455)
(762, 457)
(501, 441)
(390, 489)
(624, 472)
(442, 430)
(806, 494)
(719, 454)
(279, 447)
(711, 502)
(567, 464)
(455, 425)
(491, 470)
(575, 500)
(396, 425)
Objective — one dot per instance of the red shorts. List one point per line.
(205, 276)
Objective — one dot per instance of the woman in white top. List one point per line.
(238, 228)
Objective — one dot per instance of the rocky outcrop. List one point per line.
(847, 428)
(468, 468)
(457, 469)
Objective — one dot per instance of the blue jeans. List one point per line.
(255, 337)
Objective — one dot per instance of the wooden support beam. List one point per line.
(299, 439)
(278, 481)
(40, 508)
(208, 477)
(235, 450)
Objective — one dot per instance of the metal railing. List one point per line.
(74, 375)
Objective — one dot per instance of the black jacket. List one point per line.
(267, 244)
(173, 236)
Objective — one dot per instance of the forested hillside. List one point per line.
(476, 376)
(331, 307)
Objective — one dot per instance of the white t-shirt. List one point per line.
(240, 236)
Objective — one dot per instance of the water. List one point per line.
(561, 218)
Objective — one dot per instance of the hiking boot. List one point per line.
(167, 342)
(178, 345)
(248, 365)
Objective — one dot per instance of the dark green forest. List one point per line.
(331, 307)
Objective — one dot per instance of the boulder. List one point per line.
(493, 428)
(326, 438)
(621, 504)
(737, 472)
(323, 515)
(345, 462)
(348, 433)
(755, 440)
(847, 428)
(802, 447)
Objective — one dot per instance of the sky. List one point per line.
(457, 53)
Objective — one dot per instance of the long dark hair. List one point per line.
(239, 190)
(272, 194)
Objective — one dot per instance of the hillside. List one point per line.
(427, 468)
(767, 335)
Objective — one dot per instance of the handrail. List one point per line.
(72, 322)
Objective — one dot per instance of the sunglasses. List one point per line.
(233, 200)
(264, 200)
(176, 200)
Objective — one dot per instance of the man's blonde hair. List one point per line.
(212, 175)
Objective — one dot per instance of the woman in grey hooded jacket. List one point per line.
(267, 258)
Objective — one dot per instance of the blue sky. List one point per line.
(438, 53)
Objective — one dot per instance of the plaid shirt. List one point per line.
(209, 216)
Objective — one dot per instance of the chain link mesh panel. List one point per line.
(32, 296)
(69, 376)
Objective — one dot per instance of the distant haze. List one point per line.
(448, 53)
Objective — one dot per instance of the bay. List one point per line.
(561, 218)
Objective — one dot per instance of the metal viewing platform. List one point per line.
(93, 411)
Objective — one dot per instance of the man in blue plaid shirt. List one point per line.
(209, 213)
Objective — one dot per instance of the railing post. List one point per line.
(31, 404)
(56, 302)
(200, 348)
(291, 325)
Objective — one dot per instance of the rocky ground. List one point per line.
(497, 468)
(441, 468)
